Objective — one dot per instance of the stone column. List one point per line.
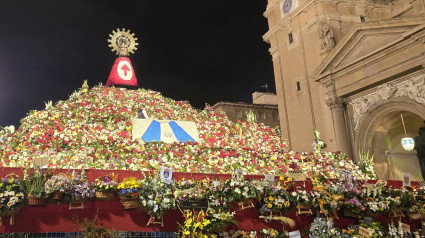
(337, 107)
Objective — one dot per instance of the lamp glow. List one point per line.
(408, 143)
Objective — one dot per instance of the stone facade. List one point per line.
(339, 63)
(264, 107)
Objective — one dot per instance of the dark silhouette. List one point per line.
(420, 148)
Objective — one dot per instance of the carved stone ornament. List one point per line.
(327, 36)
(336, 102)
(413, 88)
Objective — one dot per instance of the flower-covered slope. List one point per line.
(92, 129)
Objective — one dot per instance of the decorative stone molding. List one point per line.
(420, 37)
(335, 103)
(413, 88)
(326, 35)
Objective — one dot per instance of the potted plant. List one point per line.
(128, 192)
(56, 185)
(12, 196)
(34, 187)
(78, 190)
(105, 187)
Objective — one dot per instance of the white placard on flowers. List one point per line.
(405, 227)
(42, 162)
(269, 177)
(294, 234)
(364, 232)
(239, 174)
(297, 176)
(406, 179)
(166, 174)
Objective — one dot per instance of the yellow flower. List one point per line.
(269, 205)
(206, 222)
(287, 203)
(198, 224)
(188, 222)
(186, 232)
(271, 198)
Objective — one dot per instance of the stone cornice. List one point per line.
(246, 105)
(336, 55)
(283, 22)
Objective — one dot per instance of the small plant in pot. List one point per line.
(34, 187)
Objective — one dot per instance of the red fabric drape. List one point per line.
(56, 217)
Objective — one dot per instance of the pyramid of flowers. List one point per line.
(92, 129)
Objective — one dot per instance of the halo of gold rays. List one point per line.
(122, 39)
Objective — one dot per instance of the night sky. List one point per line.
(203, 51)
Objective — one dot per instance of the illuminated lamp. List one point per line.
(407, 142)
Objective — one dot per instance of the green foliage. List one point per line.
(90, 230)
(34, 183)
(366, 164)
(250, 117)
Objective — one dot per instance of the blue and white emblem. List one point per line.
(150, 130)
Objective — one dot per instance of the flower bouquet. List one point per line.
(105, 187)
(217, 199)
(241, 191)
(324, 202)
(218, 220)
(417, 211)
(353, 207)
(374, 199)
(323, 229)
(78, 190)
(271, 233)
(34, 187)
(56, 185)
(399, 201)
(303, 201)
(156, 197)
(190, 194)
(375, 230)
(276, 200)
(12, 197)
(128, 192)
(195, 225)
